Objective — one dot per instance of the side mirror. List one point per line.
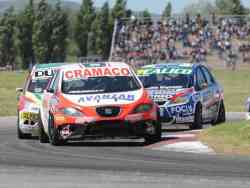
(204, 86)
(50, 90)
(147, 85)
(200, 87)
(19, 90)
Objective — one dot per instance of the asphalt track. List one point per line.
(27, 163)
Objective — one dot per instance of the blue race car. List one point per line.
(185, 93)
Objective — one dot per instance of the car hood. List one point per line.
(34, 97)
(122, 98)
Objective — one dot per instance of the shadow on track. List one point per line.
(114, 143)
(104, 144)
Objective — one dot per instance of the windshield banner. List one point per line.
(121, 98)
(167, 70)
(96, 72)
(112, 97)
(43, 74)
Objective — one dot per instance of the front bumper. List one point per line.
(177, 114)
(129, 125)
(105, 129)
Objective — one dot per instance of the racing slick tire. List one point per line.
(151, 139)
(221, 115)
(54, 135)
(197, 124)
(20, 134)
(43, 138)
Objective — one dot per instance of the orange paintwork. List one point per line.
(90, 114)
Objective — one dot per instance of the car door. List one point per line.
(201, 86)
(213, 103)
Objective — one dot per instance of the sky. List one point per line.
(155, 6)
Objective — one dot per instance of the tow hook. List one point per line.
(66, 132)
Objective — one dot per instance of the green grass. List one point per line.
(236, 88)
(235, 83)
(228, 138)
(9, 81)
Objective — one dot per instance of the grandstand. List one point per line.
(221, 39)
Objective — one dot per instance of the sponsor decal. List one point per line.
(66, 132)
(149, 66)
(183, 109)
(134, 117)
(165, 70)
(84, 120)
(115, 97)
(184, 119)
(94, 65)
(160, 98)
(29, 116)
(159, 95)
(159, 92)
(42, 74)
(108, 111)
(186, 65)
(96, 72)
(26, 127)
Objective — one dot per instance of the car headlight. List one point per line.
(32, 107)
(179, 99)
(72, 112)
(143, 108)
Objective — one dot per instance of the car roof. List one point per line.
(48, 65)
(95, 65)
(45, 67)
(166, 65)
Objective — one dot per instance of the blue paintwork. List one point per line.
(185, 112)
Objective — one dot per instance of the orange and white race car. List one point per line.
(97, 100)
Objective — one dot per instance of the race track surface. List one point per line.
(27, 163)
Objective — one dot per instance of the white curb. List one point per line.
(190, 147)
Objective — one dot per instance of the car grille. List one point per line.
(160, 103)
(108, 111)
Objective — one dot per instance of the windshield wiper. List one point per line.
(85, 92)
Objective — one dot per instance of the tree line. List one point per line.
(219, 7)
(43, 33)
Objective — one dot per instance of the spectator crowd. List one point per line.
(149, 40)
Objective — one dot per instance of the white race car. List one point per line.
(30, 99)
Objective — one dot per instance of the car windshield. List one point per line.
(38, 85)
(105, 84)
(166, 80)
